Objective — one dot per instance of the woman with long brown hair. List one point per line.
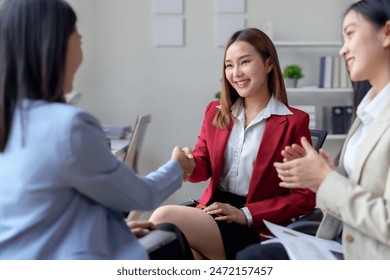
(242, 135)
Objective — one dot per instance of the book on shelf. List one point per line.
(337, 119)
(336, 71)
(348, 112)
(345, 81)
(333, 72)
(322, 72)
(311, 110)
(326, 69)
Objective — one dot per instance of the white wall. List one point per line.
(124, 75)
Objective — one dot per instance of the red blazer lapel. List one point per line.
(273, 134)
(220, 141)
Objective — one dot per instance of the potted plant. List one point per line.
(292, 73)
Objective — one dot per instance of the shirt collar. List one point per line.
(368, 108)
(274, 107)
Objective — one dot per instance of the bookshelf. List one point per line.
(308, 53)
(337, 137)
(307, 44)
(319, 90)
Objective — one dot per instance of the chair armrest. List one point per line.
(156, 239)
(308, 227)
(315, 215)
(188, 203)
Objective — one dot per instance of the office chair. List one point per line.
(318, 138)
(309, 223)
(134, 149)
(136, 140)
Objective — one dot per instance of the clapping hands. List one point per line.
(303, 167)
(186, 160)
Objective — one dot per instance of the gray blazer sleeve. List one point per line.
(92, 170)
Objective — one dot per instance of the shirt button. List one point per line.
(349, 238)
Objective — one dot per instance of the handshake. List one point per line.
(186, 160)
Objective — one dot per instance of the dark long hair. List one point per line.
(360, 89)
(375, 11)
(264, 46)
(33, 45)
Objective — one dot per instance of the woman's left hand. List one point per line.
(226, 212)
(306, 172)
(141, 228)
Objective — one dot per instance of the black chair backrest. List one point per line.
(318, 138)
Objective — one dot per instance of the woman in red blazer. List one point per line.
(242, 135)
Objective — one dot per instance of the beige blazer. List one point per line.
(362, 203)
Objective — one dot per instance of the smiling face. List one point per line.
(246, 70)
(364, 48)
(74, 57)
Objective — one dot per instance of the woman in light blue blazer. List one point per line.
(61, 190)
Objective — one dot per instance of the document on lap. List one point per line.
(301, 246)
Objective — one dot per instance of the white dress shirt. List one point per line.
(242, 148)
(367, 111)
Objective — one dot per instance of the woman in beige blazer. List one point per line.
(357, 195)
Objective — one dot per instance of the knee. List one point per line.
(163, 214)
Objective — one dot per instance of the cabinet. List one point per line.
(307, 54)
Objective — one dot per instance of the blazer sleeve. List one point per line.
(360, 208)
(93, 171)
(201, 152)
(296, 202)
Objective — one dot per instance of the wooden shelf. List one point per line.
(336, 136)
(307, 44)
(319, 90)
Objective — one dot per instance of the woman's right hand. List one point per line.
(296, 151)
(186, 160)
(305, 172)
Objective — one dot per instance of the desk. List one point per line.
(119, 147)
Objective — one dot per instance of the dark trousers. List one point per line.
(177, 249)
(272, 251)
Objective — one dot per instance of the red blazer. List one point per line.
(265, 200)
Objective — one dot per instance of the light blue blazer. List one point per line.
(62, 191)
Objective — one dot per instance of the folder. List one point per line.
(338, 120)
(348, 111)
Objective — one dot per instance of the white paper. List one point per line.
(300, 246)
(168, 30)
(168, 6)
(230, 6)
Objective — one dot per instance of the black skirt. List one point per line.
(235, 237)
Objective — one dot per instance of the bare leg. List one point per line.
(199, 228)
